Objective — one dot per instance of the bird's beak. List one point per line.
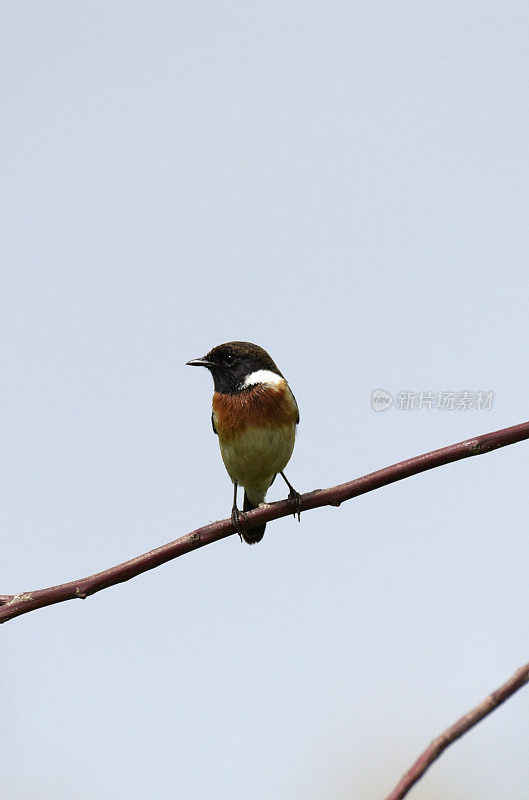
(199, 362)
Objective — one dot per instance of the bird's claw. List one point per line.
(295, 498)
(236, 517)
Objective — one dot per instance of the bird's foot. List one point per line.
(237, 517)
(294, 498)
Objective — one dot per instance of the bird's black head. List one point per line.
(232, 362)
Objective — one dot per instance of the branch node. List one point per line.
(5, 599)
(477, 447)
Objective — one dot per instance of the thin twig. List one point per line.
(14, 605)
(434, 750)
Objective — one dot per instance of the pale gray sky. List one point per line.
(347, 185)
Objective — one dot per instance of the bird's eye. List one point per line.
(229, 358)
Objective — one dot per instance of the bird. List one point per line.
(254, 415)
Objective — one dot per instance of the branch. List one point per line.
(434, 750)
(14, 605)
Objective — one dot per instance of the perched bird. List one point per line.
(255, 416)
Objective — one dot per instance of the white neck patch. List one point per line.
(264, 376)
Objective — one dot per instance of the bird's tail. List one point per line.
(252, 535)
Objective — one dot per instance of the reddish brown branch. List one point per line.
(434, 750)
(15, 605)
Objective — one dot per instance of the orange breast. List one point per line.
(256, 407)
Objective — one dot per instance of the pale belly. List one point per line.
(255, 455)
